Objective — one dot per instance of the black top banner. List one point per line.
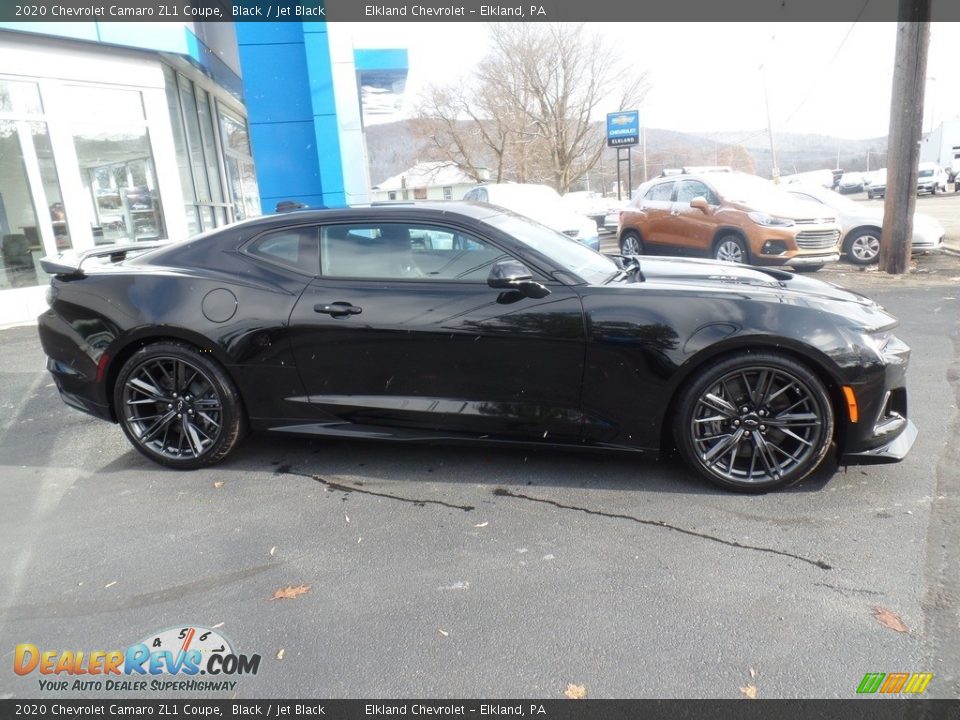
(473, 11)
(862, 709)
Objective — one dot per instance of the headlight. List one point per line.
(761, 218)
(888, 347)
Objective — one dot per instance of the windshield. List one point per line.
(566, 253)
(926, 173)
(827, 197)
(745, 188)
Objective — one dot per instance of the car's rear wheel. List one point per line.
(178, 407)
(730, 248)
(754, 422)
(863, 247)
(631, 244)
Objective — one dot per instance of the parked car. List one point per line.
(331, 323)
(931, 178)
(589, 204)
(851, 182)
(861, 225)
(878, 184)
(729, 216)
(541, 203)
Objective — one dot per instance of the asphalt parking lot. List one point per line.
(457, 571)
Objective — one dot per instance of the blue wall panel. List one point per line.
(275, 82)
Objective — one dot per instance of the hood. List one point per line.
(766, 283)
(789, 207)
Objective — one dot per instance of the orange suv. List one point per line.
(728, 216)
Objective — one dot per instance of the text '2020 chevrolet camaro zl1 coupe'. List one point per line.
(463, 322)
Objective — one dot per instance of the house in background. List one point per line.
(438, 180)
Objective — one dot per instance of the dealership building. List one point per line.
(119, 132)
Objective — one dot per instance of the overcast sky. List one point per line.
(828, 78)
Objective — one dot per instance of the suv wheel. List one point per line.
(730, 248)
(631, 244)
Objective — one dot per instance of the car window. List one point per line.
(296, 248)
(401, 251)
(690, 189)
(660, 191)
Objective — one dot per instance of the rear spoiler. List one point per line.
(69, 264)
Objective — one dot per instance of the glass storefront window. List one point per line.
(51, 185)
(241, 178)
(20, 245)
(20, 97)
(116, 164)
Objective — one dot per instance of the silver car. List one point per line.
(861, 224)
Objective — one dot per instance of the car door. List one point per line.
(691, 230)
(401, 330)
(655, 206)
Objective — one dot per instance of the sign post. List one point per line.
(623, 132)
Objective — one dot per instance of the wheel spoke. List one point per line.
(193, 440)
(721, 447)
(154, 393)
(794, 420)
(157, 426)
(766, 456)
(715, 402)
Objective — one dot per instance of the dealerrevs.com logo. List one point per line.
(171, 660)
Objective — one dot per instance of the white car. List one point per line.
(931, 178)
(860, 225)
(591, 204)
(541, 203)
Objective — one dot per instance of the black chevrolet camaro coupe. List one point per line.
(464, 322)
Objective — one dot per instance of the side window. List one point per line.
(661, 192)
(690, 189)
(400, 251)
(296, 248)
(482, 195)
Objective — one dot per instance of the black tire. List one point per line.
(807, 268)
(731, 248)
(749, 407)
(862, 246)
(631, 237)
(177, 407)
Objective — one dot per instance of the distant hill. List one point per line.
(393, 147)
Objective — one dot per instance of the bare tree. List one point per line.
(529, 112)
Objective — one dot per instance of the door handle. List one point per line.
(338, 309)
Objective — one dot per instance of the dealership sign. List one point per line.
(623, 128)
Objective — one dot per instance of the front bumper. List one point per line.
(883, 432)
(891, 452)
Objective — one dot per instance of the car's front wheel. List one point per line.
(177, 407)
(631, 244)
(754, 422)
(730, 248)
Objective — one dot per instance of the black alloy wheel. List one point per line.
(177, 407)
(754, 422)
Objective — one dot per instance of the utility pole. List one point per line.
(906, 129)
(775, 171)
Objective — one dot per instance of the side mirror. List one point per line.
(700, 203)
(512, 275)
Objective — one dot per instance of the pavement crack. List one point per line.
(503, 492)
(333, 485)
